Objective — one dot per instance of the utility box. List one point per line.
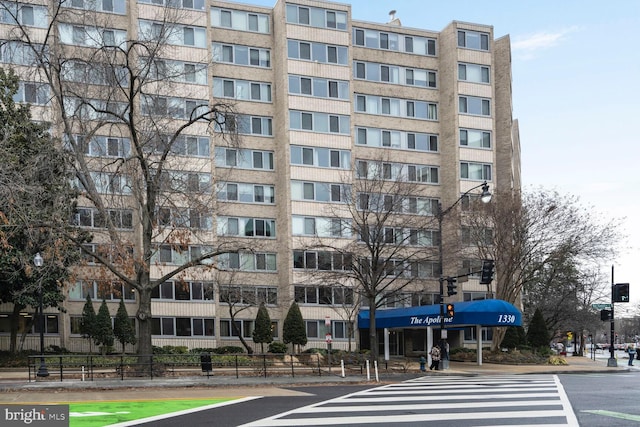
(205, 363)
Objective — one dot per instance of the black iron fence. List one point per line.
(96, 367)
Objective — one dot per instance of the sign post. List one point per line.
(327, 324)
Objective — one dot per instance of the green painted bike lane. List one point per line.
(124, 413)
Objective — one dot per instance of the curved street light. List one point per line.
(42, 370)
(485, 197)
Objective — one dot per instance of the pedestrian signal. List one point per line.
(620, 292)
(450, 310)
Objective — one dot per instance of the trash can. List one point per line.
(205, 363)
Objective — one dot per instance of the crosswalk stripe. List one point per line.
(392, 419)
(424, 406)
(423, 401)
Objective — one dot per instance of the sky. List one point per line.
(576, 95)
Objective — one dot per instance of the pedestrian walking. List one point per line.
(632, 353)
(435, 358)
(423, 363)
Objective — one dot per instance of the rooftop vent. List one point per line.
(392, 18)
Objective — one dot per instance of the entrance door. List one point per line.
(396, 342)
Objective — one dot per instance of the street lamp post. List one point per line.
(42, 370)
(485, 197)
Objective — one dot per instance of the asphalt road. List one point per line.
(234, 415)
(604, 399)
(597, 400)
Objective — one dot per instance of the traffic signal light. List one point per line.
(450, 310)
(605, 314)
(620, 292)
(487, 271)
(451, 286)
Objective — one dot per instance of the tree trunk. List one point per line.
(373, 333)
(145, 346)
(498, 336)
(15, 316)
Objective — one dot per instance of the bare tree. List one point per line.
(532, 235)
(393, 238)
(140, 153)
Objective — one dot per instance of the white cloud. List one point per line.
(526, 46)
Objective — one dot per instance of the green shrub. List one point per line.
(200, 350)
(228, 349)
(315, 350)
(170, 349)
(57, 349)
(277, 347)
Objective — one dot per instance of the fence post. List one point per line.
(293, 374)
(151, 366)
(237, 371)
(91, 365)
(121, 368)
(264, 364)
(319, 368)
(60, 361)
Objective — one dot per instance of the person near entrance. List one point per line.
(632, 353)
(435, 358)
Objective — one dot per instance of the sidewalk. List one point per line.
(15, 386)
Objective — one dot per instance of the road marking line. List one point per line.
(572, 420)
(425, 406)
(612, 414)
(465, 397)
(393, 419)
(184, 412)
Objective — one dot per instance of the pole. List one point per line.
(443, 344)
(612, 362)
(42, 370)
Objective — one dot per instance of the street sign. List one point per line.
(601, 306)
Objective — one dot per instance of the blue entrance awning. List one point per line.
(489, 312)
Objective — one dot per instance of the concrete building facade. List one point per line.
(323, 99)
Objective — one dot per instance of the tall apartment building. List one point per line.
(323, 100)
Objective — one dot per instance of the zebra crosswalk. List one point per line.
(440, 401)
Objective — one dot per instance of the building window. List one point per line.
(246, 227)
(246, 193)
(396, 42)
(244, 159)
(317, 52)
(473, 40)
(242, 55)
(239, 20)
(323, 295)
(185, 4)
(319, 122)
(182, 326)
(376, 72)
(320, 157)
(473, 236)
(472, 267)
(242, 90)
(475, 138)
(93, 218)
(371, 104)
(321, 260)
(318, 191)
(321, 227)
(259, 262)
(475, 171)
(474, 105)
(316, 17)
(473, 73)
(318, 87)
